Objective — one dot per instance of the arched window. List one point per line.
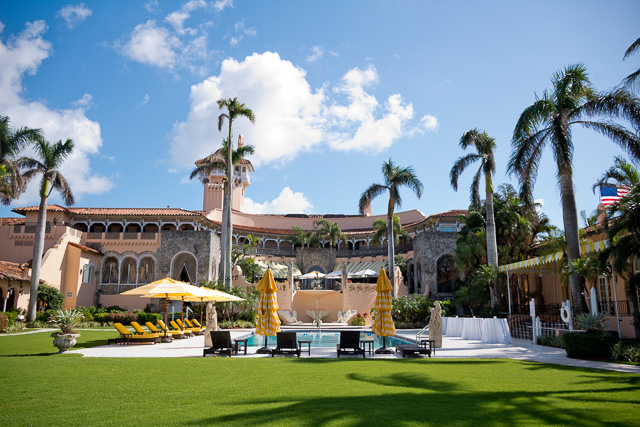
(128, 271)
(146, 271)
(87, 273)
(446, 274)
(110, 270)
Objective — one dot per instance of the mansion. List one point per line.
(94, 254)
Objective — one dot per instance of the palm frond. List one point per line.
(628, 141)
(368, 195)
(459, 166)
(475, 188)
(631, 49)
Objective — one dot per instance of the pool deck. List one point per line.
(452, 348)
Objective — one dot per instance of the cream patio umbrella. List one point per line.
(383, 323)
(268, 322)
(208, 294)
(166, 288)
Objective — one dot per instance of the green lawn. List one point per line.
(38, 387)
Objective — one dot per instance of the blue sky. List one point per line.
(337, 88)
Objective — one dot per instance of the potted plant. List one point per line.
(66, 320)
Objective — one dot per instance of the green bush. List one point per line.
(588, 345)
(87, 315)
(50, 298)
(124, 318)
(12, 316)
(550, 341)
(115, 309)
(148, 317)
(412, 308)
(617, 351)
(632, 353)
(45, 315)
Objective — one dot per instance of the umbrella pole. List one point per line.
(182, 311)
(166, 307)
(384, 349)
(264, 349)
(201, 308)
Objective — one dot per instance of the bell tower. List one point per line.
(214, 182)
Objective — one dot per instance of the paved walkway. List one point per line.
(452, 348)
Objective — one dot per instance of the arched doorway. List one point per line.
(184, 267)
(446, 274)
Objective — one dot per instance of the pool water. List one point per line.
(325, 339)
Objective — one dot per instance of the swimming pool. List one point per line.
(325, 339)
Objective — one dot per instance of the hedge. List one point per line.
(588, 345)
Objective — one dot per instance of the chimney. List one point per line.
(367, 210)
(240, 141)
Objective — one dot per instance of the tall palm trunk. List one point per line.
(391, 254)
(223, 237)
(228, 224)
(38, 249)
(570, 221)
(492, 245)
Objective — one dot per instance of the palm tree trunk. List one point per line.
(223, 237)
(38, 249)
(391, 254)
(228, 225)
(570, 220)
(492, 246)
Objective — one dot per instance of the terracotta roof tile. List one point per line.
(452, 213)
(11, 221)
(13, 271)
(113, 211)
(85, 248)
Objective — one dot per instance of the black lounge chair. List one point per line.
(350, 343)
(220, 344)
(286, 344)
(412, 350)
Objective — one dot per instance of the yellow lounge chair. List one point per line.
(197, 324)
(141, 332)
(173, 332)
(176, 335)
(174, 325)
(192, 325)
(127, 337)
(196, 331)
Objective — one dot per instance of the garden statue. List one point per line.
(435, 325)
(212, 323)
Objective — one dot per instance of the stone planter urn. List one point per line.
(64, 341)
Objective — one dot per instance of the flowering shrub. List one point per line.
(359, 320)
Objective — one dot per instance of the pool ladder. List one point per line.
(421, 332)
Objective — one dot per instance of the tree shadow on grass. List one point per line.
(419, 407)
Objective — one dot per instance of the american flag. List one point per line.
(609, 194)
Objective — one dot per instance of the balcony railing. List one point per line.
(609, 308)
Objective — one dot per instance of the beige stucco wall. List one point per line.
(22, 291)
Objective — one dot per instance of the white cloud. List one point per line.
(241, 32)
(220, 5)
(84, 102)
(286, 202)
(318, 52)
(22, 55)
(145, 100)
(74, 15)
(288, 113)
(153, 45)
(170, 44)
(539, 204)
(428, 123)
(291, 117)
(151, 5)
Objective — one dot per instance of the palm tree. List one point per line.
(11, 142)
(49, 159)
(632, 79)
(380, 231)
(235, 109)
(330, 232)
(622, 173)
(301, 237)
(484, 145)
(549, 120)
(395, 177)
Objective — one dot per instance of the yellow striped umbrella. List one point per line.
(268, 322)
(383, 324)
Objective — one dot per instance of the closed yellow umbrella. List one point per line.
(383, 324)
(268, 322)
